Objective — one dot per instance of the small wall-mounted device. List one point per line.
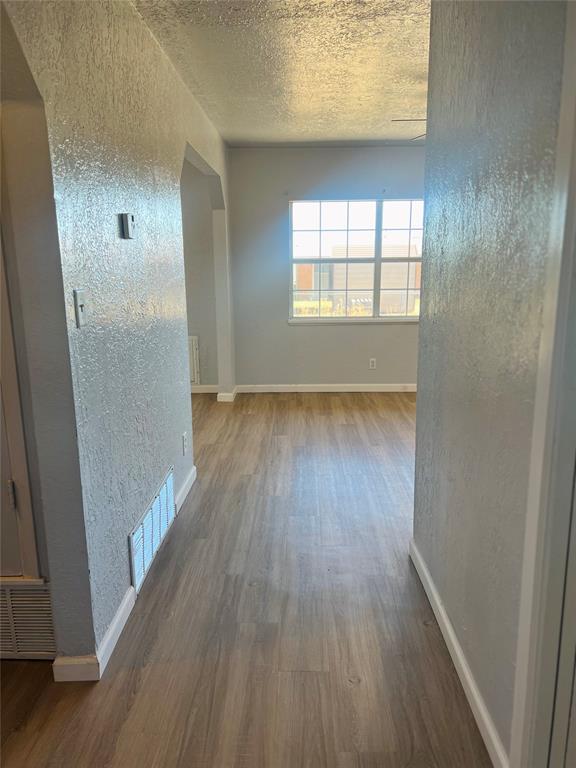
(80, 308)
(127, 225)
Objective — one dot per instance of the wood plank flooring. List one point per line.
(282, 625)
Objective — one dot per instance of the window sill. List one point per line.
(352, 320)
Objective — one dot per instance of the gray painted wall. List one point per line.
(268, 350)
(29, 228)
(118, 119)
(199, 268)
(494, 91)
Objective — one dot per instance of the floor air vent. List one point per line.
(146, 538)
(26, 630)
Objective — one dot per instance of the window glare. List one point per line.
(361, 244)
(306, 245)
(416, 244)
(305, 215)
(396, 214)
(334, 215)
(417, 220)
(362, 214)
(395, 243)
(333, 245)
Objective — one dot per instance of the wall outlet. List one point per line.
(184, 443)
(372, 364)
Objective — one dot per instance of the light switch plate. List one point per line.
(127, 224)
(80, 307)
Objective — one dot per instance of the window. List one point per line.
(356, 258)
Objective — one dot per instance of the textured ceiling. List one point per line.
(277, 71)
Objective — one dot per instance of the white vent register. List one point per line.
(147, 536)
(26, 630)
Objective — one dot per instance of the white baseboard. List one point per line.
(185, 488)
(203, 389)
(227, 397)
(108, 642)
(478, 706)
(91, 667)
(326, 388)
(68, 669)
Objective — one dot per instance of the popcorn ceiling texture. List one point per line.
(490, 157)
(300, 70)
(118, 119)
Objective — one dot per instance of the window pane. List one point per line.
(334, 215)
(416, 243)
(394, 275)
(360, 303)
(344, 233)
(360, 277)
(305, 303)
(306, 245)
(305, 215)
(392, 303)
(362, 214)
(333, 304)
(395, 244)
(413, 303)
(415, 272)
(417, 214)
(305, 277)
(333, 245)
(396, 214)
(333, 277)
(361, 244)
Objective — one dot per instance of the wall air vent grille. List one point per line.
(147, 536)
(26, 630)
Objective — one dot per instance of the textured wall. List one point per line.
(268, 350)
(495, 72)
(118, 120)
(199, 267)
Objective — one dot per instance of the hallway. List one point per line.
(282, 624)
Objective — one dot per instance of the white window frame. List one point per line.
(377, 261)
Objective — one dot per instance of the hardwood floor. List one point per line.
(282, 625)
